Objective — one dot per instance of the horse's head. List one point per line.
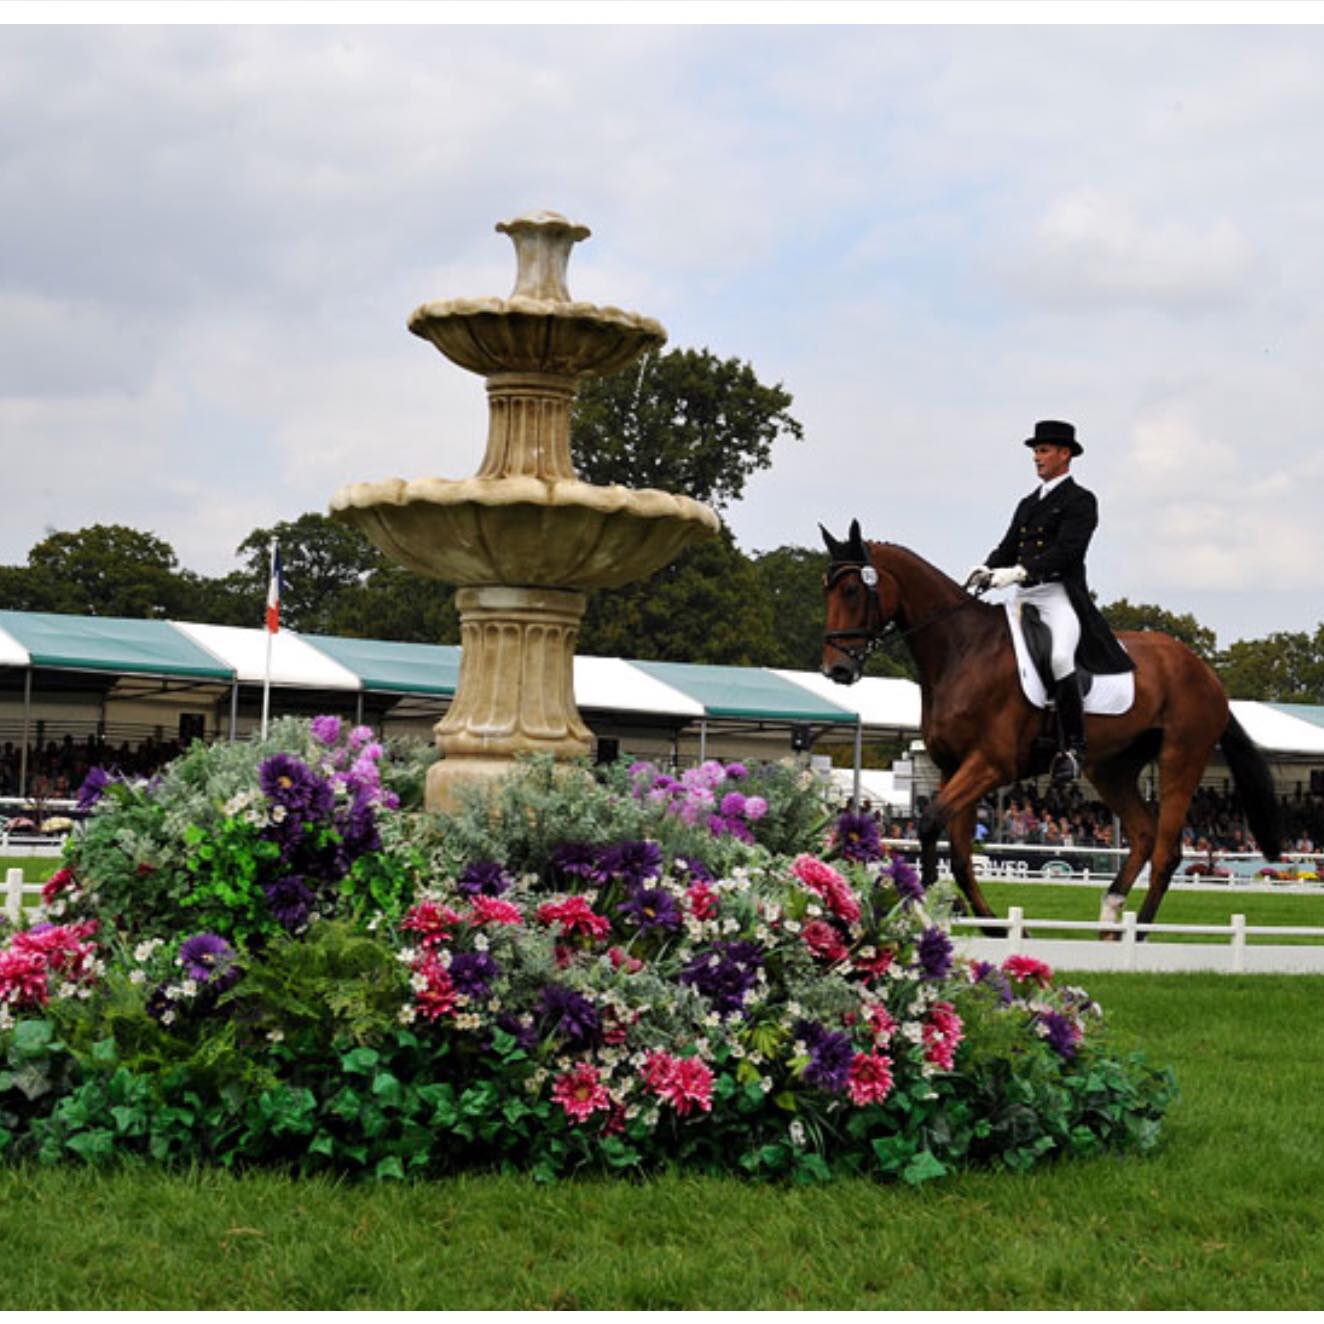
(856, 612)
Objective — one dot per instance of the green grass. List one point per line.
(1227, 1215)
(36, 868)
(1056, 901)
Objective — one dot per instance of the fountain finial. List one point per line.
(543, 240)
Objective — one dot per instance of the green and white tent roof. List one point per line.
(677, 692)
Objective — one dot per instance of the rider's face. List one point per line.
(1051, 461)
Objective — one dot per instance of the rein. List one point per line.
(887, 633)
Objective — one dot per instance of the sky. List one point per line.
(932, 235)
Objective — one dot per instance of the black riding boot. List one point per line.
(1070, 758)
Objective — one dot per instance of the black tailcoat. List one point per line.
(1048, 537)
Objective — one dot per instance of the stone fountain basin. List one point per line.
(524, 530)
(522, 334)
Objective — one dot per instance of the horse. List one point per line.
(982, 732)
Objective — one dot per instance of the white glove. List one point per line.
(1007, 576)
(978, 577)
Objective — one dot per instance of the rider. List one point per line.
(1043, 555)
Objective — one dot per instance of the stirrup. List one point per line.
(1066, 767)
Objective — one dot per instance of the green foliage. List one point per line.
(1283, 667)
(1125, 615)
(684, 421)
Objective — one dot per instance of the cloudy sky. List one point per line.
(211, 239)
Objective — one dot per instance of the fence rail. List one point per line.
(15, 889)
(1131, 953)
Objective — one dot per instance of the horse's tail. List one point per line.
(1254, 783)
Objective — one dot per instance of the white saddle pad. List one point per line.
(1109, 696)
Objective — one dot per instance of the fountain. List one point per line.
(524, 539)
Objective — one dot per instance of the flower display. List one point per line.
(634, 981)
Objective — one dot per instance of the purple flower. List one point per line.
(360, 735)
(569, 1014)
(695, 870)
(985, 972)
(631, 862)
(576, 859)
(733, 804)
(357, 826)
(472, 973)
(905, 878)
(1060, 1032)
(724, 972)
(290, 901)
(857, 837)
(526, 1036)
(205, 954)
(92, 789)
(830, 1056)
(735, 771)
(485, 878)
(934, 951)
(290, 782)
(755, 807)
(651, 908)
(326, 729)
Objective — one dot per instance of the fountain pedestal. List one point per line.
(524, 538)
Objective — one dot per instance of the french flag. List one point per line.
(274, 591)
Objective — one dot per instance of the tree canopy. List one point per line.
(684, 421)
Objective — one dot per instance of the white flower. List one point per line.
(797, 1133)
(143, 951)
(407, 1014)
(480, 942)
(275, 1036)
(167, 1018)
(407, 955)
(189, 988)
(418, 982)
(765, 1084)
(278, 813)
(137, 977)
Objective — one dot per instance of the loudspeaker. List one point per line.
(609, 750)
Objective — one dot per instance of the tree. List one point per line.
(706, 606)
(395, 603)
(1281, 668)
(103, 570)
(1123, 615)
(685, 421)
(792, 581)
(320, 559)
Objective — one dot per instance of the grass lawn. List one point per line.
(36, 868)
(1228, 1215)
(1059, 901)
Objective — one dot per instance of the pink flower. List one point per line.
(61, 880)
(942, 1031)
(1021, 968)
(575, 915)
(755, 807)
(437, 997)
(620, 957)
(702, 900)
(829, 884)
(870, 1079)
(685, 1083)
(876, 965)
(23, 979)
(881, 1022)
(581, 1093)
(824, 941)
(64, 949)
(493, 910)
(433, 920)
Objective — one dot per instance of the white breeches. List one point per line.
(1056, 612)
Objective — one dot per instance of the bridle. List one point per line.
(876, 632)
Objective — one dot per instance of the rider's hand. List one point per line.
(978, 577)
(1008, 575)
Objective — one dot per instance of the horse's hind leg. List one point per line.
(1179, 774)
(954, 808)
(1117, 784)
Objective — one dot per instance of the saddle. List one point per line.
(1106, 696)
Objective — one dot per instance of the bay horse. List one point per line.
(983, 733)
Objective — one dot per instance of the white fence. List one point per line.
(1236, 956)
(14, 890)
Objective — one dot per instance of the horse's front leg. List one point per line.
(954, 808)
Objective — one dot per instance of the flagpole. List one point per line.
(266, 680)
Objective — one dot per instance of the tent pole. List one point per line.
(703, 741)
(859, 755)
(234, 710)
(358, 711)
(27, 722)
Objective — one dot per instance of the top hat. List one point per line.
(1051, 433)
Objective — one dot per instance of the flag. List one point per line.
(274, 592)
